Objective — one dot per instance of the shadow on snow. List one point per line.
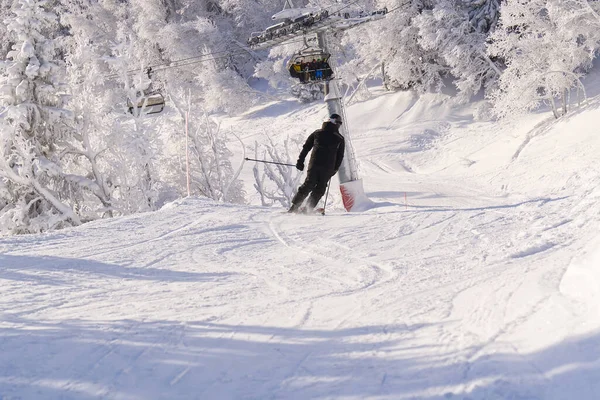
(43, 270)
(204, 360)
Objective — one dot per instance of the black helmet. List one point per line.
(335, 119)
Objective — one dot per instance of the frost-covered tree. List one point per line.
(6, 7)
(169, 38)
(547, 46)
(422, 45)
(108, 55)
(447, 30)
(483, 14)
(212, 173)
(93, 100)
(209, 37)
(394, 44)
(135, 137)
(36, 193)
(61, 168)
(276, 183)
(223, 90)
(200, 149)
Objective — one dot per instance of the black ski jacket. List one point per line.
(327, 146)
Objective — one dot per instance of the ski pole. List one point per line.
(269, 162)
(326, 194)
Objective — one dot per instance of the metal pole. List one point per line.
(353, 193)
(326, 195)
(348, 169)
(269, 162)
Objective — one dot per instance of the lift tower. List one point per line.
(305, 21)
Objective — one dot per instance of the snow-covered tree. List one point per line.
(93, 100)
(223, 89)
(276, 183)
(135, 139)
(107, 62)
(36, 193)
(200, 147)
(447, 30)
(394, 44)
(6, 7)
(483, 14)
(547, 45)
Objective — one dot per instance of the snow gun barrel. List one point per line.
(269, 162)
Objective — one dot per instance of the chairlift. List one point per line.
(152, 103)
(292, 21)
(279, 29)
(293, 13)
(254, 38)
(310, 65)
(382, 11)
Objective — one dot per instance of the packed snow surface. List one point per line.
(476, 275)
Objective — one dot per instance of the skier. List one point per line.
(327, 146)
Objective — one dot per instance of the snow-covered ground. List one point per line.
(475, 276)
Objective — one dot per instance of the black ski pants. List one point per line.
(315, 184)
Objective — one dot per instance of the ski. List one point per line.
(303, 211)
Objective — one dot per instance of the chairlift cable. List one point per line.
(400, 6)
(346, 6)
(197, 62)
(177, 63)
(202, 58)
(169, 63)
(211, 59)
(187, 59)
(151, 67)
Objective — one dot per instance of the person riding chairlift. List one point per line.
(319, 70)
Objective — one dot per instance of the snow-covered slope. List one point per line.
(475, 276)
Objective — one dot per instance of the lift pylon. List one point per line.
(351, 186)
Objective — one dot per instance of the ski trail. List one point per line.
(372, 278)
(343, 260)
(540, 129)
(160, 237)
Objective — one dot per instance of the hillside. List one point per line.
(475, 276)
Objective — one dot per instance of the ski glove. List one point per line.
(300, 165)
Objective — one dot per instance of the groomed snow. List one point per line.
(475, 276)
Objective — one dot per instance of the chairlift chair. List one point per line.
(288, 26)
(306, 56)
(254, 38)
(277, 29)
(152, 103)
(381, 11)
